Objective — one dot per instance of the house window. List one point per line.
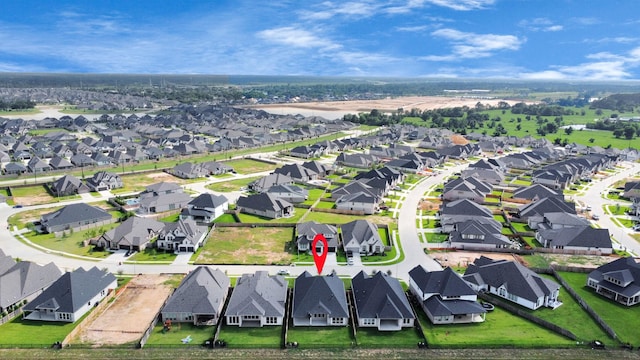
(368, 321)
(319, 315)
(232, 320)
(337, 321)
(272, 320)
(406, 321)
(512, 297)
(250, 317)
(502, 292)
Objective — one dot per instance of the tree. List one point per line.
(591, 140)
(629, 132)
(568, 130)
(617, 133)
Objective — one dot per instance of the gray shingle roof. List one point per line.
(380, 296)
(258, 294)
(319, 295)
(202, 291)
(444, 283)
(74, 213)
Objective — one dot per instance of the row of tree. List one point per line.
(18, 104)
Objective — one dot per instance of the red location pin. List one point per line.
(319, 259)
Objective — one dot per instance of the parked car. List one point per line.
(17, 206)
(588, 208)
(283, 272)
(636, 227)
(595, 217)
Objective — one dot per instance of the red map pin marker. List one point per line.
(319, 259)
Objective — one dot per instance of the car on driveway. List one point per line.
(595, 217)
(283, 272)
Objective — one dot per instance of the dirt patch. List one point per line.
(128, 317)
(428, 205)
(459, 140)
(458, 259)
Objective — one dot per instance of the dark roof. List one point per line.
(258, 294)
(380, 296)
(444, 283)
(202, 291)
(263, 201)
(439, 307)
(72, 290)
(207, 200)
(546, 205)
(536, 191)
(626, 270)
(22, 279)
(74, 213)
(319, 295)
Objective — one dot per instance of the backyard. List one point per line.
(179, 331)
(232, 185)
(251, 337)
(249, 166)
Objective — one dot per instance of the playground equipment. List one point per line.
(167, 326)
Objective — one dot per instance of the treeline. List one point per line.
(620, 129)
(19, 104)
(618, 102)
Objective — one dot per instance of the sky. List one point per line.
(504, 39)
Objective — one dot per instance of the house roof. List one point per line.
(445, 283)
(72, 290)
(271, 180)
(465, 207)
(19, 280)
(380, 296)
(202, 291)
(482, 233)
(74, 213)
(296, 171)
(439, 307)
(626, 270)
(319, 295)
(263, 202)
(134, 231)
(515, 277)
(579, 236)
(358, 232)
(67, 183)
(359, 197)
(207, 200)
(536, 191)
(258, 294)
(546, 205)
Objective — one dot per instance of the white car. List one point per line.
(283, 272)
(636, 227)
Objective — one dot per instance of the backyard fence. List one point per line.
(97, 310)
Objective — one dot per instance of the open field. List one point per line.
(31, 195)
(249, 166)
(138, 182)
(126, 319)
(232, 185)
(247, 246)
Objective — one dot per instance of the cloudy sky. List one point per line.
(524, 39)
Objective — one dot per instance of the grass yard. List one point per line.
(330, 218)
(249, 166)
(435, 237)
(138, 182)
(500, 329)
(31, 195)
(171, 218)
(312, 337)
(372, 338)
(324, 205)
(152, 254)
(179, 331)
(34, 334)
(23, 218)
(247, 246)
(225, 218)
(616, 209)
(521, 227)
(572, 317)
(232, 185)
(250, 218)
(251, 337)
(73, 243)
(624, 320)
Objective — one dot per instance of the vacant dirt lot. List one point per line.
(388, 104)
(464, 258)
(127, 318)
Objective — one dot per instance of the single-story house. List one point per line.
(257, 300)
(74, 216)
(319, 301)
(266, 205)
(135, 233)
(618, 280)
(361, 237)
(307, 231)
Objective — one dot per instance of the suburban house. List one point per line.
(205, 208)
(189, 170)
(537, 209)
(257, 300)
(68, 185)
(477, 235)
(466, 188)
(297, 172)
(163, 196)
(579, 238)
(319, 301)
(556, 220)
(185, 235)
(266, 205)
(71, 296)
(291, 193)
(135, 233)
(445, 297)
(307, 231)
(632, 192)
(380, 302)
(359, 201)
(321, 169)
(355, 187)
(462, 210)
(264, 183)
(103, 180)
(23, 281)
(488, 176)
(361, 237)
(536, 192)
(74, 216)
(618, 280)
(199, 298)
(512, 281)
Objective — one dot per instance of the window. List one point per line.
(337, 321)
(232, 320)
(368, 321)
(406, 321)
(512, 297)
(272, 320)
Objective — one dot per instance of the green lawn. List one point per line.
(152, 254)
(572, 317)
(253, 337)
(250, 218)
(500, 329)
(372, 338)
(247, 246)
(521, 227)
(31, 195)
(330, 218)
(225, 218)
(232, 185)
(171, 218)
(325, 205)
(249, 166)
(38, 132)
(625, 321)
(26, 333)
(73, 243)
(616, 209)
(309, 337)
(179, 331)
(435, 237)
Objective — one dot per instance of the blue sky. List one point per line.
(523, 39)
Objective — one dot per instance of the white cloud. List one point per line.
(617, 39)
(463, 5)
(471, 45)
(296, 37)
(540, 24)
(328, 10)
(419, 28)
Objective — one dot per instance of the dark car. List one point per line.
(17, 206)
